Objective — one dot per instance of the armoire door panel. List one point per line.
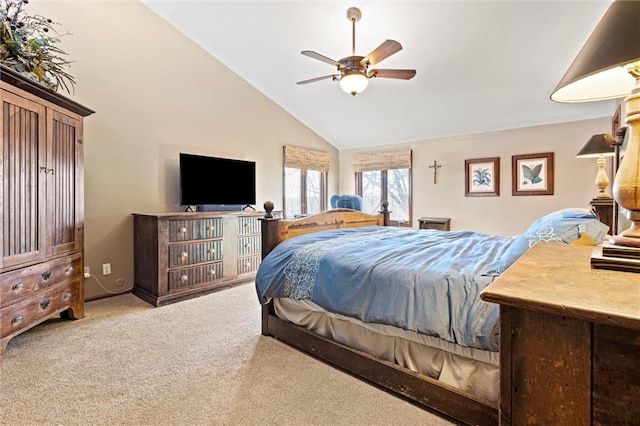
(62, 184)
(24, 164)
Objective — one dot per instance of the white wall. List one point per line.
(156, 94)
(505, 214)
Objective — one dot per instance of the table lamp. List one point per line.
(608, 67)
(599, 146)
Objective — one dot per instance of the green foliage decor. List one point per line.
(28, 45)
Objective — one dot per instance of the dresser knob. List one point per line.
(246, 225)
(212, 272)
(44, 304)
(184, 278)
(212, 251)
(68, 270)
(46, 275)
(247, 245)
(17, 285)
(210, 228)
(182, 230)
(184, 255)
(17, 319)
(66, 295)
(247, 265)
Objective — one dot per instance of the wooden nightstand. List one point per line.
(569, 339)
(604, 209)
(440, 223)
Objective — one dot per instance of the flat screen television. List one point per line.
(213, 183)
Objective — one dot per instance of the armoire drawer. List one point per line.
(21, 283)
(34, 309)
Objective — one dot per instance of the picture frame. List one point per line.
(615, 120)
(532, 174)
(482, 177)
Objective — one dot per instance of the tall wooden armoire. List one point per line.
(42, 198)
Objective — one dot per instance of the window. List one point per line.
(305, 181)
(385, 176)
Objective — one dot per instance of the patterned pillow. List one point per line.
(560, 227)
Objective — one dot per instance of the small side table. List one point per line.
(440, 223)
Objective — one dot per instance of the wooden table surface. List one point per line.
(558, 279)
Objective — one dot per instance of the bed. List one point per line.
(399, 307)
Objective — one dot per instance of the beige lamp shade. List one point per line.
(608, 67)
(601, 69)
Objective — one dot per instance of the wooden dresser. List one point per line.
(41, 241)
(183, 255)
(569, 340)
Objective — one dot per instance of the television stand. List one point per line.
(193, 253)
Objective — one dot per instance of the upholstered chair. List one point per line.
(346, 201)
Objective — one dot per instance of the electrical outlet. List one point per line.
(106, 269)
(87, 272)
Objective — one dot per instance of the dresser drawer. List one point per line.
(34, 309)
(196, 229)
(190, 254)
(187, 277)
(248, 264)
(249, 245)
(15, 285)
(248, 225)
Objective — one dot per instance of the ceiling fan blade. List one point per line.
(315, 55)
(386, 49)
(399, 74)
(324, 77)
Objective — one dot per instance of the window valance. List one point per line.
(400, 159)
(304, 158)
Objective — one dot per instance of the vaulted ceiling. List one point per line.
(481, 65)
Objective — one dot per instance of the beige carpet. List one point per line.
(197, 362)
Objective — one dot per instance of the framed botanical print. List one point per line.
(532, 174)
(482, 177)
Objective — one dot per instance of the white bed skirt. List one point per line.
(469, 369)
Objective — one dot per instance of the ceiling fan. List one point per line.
(355, 71)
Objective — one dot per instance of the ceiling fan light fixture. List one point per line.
(354, 82)
(355, 71)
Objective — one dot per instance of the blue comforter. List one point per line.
(421, 280)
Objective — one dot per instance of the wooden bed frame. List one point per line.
(421, 389)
